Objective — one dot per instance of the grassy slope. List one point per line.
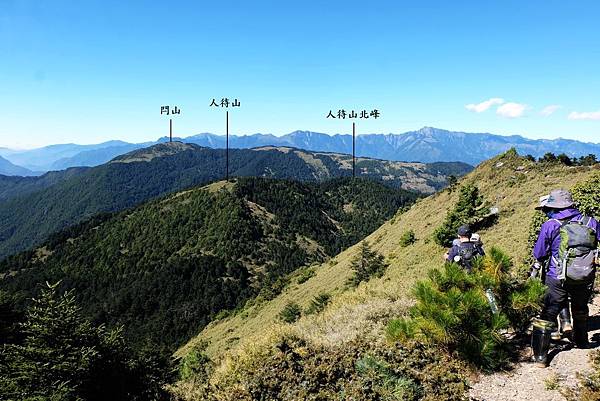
(369, 306)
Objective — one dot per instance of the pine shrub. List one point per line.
(196, 365)
(453, 312)
(305, 275)
(535, 226)
(469, 209)
(318, 303)
(367, 264)
(452, 183)
(290, 313)
(64, 357)
(408, 238)
(586, 195)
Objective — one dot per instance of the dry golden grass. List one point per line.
(510, 183)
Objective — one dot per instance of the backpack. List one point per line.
(467, 251)
(578, 250)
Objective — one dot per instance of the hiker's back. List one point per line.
(578, 250)
(466, 252)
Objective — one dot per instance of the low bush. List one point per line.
(586, 195)
(305, 275)
(366, 264)
(453, 311)
(196, 365)
(360, 370)
(318, 303)
(452, 183)
(408, 238)
(534, 230)
(290, 313)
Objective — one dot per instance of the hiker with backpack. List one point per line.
(565, 328)
(567, 246)
(465, 248)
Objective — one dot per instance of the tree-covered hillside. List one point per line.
(13, 186)
(325, 339)
(166, 268)
(33, 209)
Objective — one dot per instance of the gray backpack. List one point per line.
(578, 250)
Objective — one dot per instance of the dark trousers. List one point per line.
(557, 297)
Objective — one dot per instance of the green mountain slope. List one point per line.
(13, 186)
(29, 218)
(246, 340)
(165, 268)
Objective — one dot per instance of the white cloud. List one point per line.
(511, 110)
(483, 106)
(548, 110)
(586, 115)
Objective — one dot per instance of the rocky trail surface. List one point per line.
(527, 382)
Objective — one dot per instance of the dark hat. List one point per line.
(558, 199)
(465, 231)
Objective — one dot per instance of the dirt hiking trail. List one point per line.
(528, 382)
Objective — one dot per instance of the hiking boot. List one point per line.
(567, 330)
(580, 333)
(566, 327)
(556, 335)
(540, 342)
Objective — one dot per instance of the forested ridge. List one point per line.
(166, 268)
(31, 209)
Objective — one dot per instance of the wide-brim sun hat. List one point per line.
(557, 199)
(543, 201)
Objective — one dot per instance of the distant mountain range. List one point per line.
(32, 208)
(425, 145)
(59, 157)
(8, 168)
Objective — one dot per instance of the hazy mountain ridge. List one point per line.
(8, 168)
(424, 145)
(43, 159)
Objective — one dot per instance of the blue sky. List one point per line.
(90, 71)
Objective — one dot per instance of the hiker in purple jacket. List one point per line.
(560, 209)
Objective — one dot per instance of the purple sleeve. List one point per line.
(542, 249)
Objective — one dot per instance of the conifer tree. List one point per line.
(64, 357)
(366, 264)
(469, 209)
(453, 310)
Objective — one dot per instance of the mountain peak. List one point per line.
(154, 151)
(432, 131)
(305, 133)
